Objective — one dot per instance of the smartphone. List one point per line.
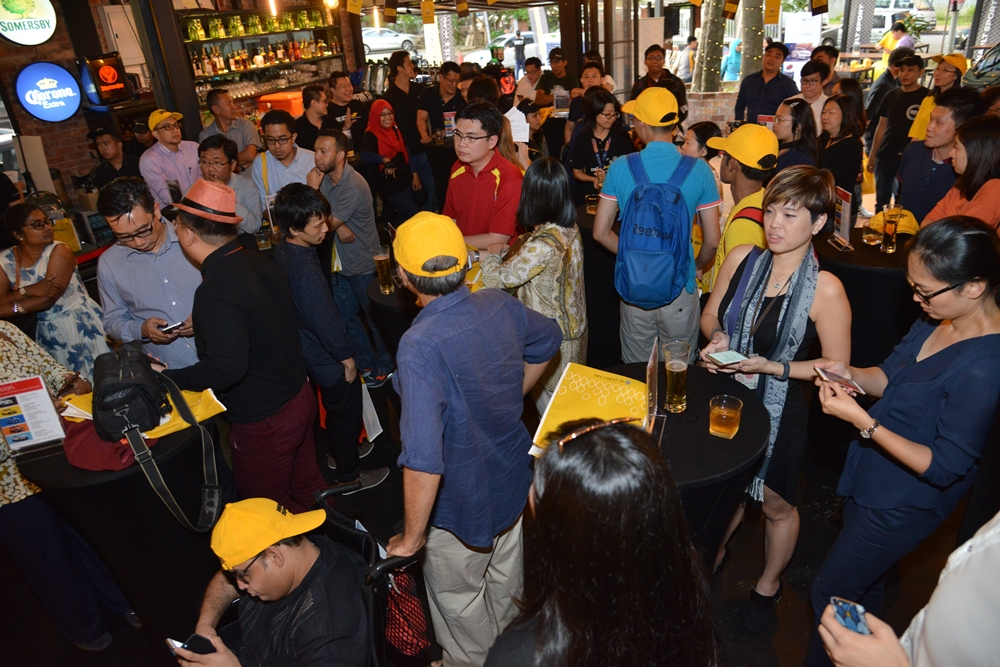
(171, 327)
(727, 358)
(827, 376)
(851, 615)
(195, 643)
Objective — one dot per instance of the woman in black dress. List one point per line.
(795, 127)
(770, 305)
(602, 140)
(841, 150)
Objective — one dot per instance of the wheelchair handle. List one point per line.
(386, 565)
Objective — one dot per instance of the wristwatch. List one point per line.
(867, 433)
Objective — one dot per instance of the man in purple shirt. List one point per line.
(170, 167)
(463, 369)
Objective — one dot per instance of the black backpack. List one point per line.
(129, 398)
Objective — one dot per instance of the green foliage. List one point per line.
(20, 7)
(915, 25)
(794, 5)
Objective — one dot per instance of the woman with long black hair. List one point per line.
(795, 127)
(611, 577)
(976, 160)
(602, 140)
(841, 151)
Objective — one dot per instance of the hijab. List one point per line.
(390, 142)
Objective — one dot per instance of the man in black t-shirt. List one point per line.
(343, 112)
(404, 95)
(894, 117)
(142, 139)
(116, 162)
(299, 594)
(518, 44)
(308, 125)
(435, 102)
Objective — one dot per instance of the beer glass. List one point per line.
(591, 202)
(676, 354)
(871, 234)
(724, 413)
(263, 238)
(381, 257)
(892, 216)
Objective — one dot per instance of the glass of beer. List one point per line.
(724, 416)
(872, 234)
(591, 202)
(676, 354)
(381, 257)
(892, 216)
(263, 238)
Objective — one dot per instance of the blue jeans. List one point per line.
(519, 68)
(350, 295)
(420, 164)
(870, 543)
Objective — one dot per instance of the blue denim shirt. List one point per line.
(759, 98)
(460, 369)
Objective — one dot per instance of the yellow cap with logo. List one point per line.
(654, 106)
(248, 527)
(161, 115)
(428, 235)
(750, 144)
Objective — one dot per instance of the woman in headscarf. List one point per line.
(731, 63)
(383, 145)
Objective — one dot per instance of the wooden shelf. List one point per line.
(240, 38)
(290, 63)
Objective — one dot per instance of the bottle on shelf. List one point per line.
(196, 64)
(259, 60)
(270, 55)
(321, 48)
(280, 54)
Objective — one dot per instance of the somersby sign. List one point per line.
(27, 22)
(48, 92)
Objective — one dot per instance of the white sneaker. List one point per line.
(865, 213)
(370, 479)
(364, 449)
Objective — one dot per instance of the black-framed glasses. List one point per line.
(169, 127)
(926, 298)
(141, 233)
(593, 427)
(279, 141)
(40, 225)
(242, 574)
(611, 115)
(459, 137)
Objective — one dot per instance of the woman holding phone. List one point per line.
(770, 305)
(918, 448)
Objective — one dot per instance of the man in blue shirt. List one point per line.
(463, 369)
(761, 93)
(656, 117)
(302, 213)
(145, 280)
(925, 171)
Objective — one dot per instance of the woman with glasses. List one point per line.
(840, 149)
(382, 144)
(602, 140)
(976, 159)
(795, 127)
(40, 276)
(546, 266)
(610, 575)
(771, 306)
(920, 444)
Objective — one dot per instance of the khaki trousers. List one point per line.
(471, 592)
(678, 320)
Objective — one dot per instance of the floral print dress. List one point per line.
(71, 330)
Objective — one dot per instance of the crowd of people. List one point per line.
(512, 570)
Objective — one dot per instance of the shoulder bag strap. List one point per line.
(211, 500)
(741, 289)
(263, 173)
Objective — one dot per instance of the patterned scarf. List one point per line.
(791, 329)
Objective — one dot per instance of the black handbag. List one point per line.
(129, 398)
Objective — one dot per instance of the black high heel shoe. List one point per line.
(763, 610)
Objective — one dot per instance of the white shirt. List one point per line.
(525, 89)
(817, 106)
(278, 175)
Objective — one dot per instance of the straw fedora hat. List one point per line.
(212, 201)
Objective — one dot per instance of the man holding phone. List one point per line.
(145, 281)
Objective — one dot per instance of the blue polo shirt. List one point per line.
(759, 98)
(459, 375)
(660, 159)
(922, 181)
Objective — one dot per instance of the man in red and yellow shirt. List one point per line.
(485, 188)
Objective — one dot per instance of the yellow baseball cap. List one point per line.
(161, 115)
(956, 60)
(248, 527)
(655, 106)
(428, 235)
(750, 145)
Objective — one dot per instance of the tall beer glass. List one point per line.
(381, 256)
(676, 354)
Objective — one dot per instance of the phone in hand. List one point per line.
(851, 615)
(847, 383)
(195, 643)
(727, 358)
(171, 327)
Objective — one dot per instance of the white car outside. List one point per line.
(482, 57)
(384, 39)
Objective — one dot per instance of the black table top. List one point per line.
(50, 469)
(401, 300)
(698, 458)
(864, 257)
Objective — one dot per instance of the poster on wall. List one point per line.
(48, 92)
(27, 22)
(802, 33)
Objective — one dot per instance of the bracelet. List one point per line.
(16, 309)
(711, 335)
(786, 369)
(477, 255)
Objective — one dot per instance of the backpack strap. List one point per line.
(638, 170)
(681, 172)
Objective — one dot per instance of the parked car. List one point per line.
(482, 57)
(894, 10)
(384, 39)
(984, 73)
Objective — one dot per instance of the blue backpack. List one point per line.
(654, 245)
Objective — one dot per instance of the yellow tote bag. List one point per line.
(868, 182)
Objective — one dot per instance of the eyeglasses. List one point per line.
(611, 115)
(277, 141)
(169, 127)
(39, 225)
(141, 233)
(782, 119)
(467, 138)
(810, 81)
(926, 298)
(590, 429)
(387, 114)
(242, 574)
(655, 59)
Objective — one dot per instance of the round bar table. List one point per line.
(162, 567)
(711, 472)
